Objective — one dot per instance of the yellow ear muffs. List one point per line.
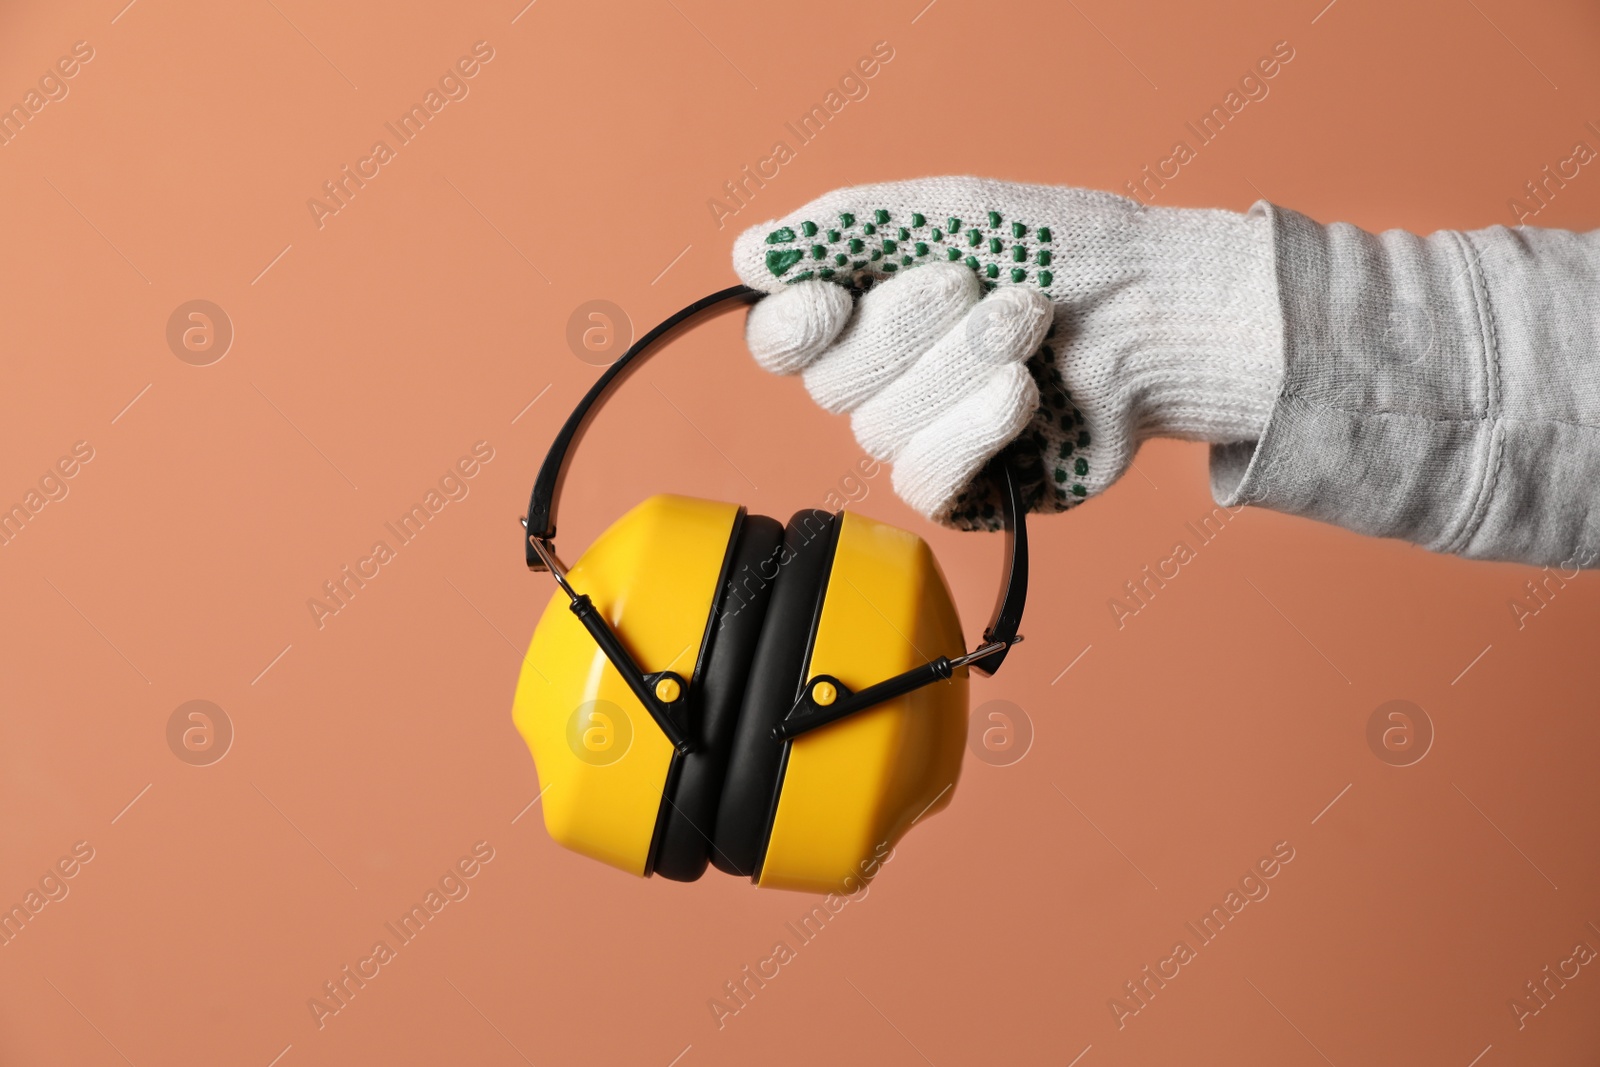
(786, 702)
(850, 789)
(858, 601)
(603, 763)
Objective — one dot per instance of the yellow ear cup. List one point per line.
(602, 760)
(852, 788)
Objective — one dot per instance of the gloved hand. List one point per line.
(1079, 321)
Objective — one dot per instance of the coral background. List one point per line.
(431, 312)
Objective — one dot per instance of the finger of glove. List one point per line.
(943, 457)
(893, 326)
(1005, 327)
(787, 330)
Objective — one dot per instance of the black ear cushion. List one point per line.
(694, 785)
(755, 766)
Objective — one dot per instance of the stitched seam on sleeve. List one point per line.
(1484, 491)
(1370, 413)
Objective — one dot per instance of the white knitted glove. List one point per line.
(1153, 322)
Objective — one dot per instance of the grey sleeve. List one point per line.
(1441, 389)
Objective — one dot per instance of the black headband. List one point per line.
(540, 534)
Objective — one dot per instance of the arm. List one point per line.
(1444, 390)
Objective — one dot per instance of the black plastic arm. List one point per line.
(807, 714)
(547, 488)
(1014, 593)
(643, 685)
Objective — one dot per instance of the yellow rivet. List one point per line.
(823, 694)
(668, 690)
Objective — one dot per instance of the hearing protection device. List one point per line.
(783, 701)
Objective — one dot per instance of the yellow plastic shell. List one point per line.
(602, 760)
(852, 788)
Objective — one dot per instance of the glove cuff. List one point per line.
(1192, 345)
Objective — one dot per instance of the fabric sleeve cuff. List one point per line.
(1381, 424)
